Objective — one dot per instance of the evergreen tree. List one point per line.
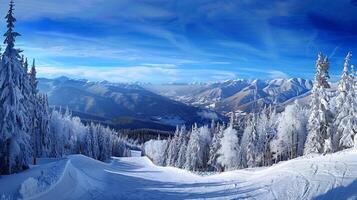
(181, 141)
(343, 137)
(249, 142)
(26, 65)
(291, 133)
(14, 137)
(43, 126)
(173, 149)
(348, 124)
(319, 124)
(214, 148)
(197, 154)
(33, 78)
(229, 155)
(192, 157)
(181, 159)
(266, 127)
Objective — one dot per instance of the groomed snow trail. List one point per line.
(315, 177)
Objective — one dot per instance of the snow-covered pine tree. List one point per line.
(181, 159)
(214, 147)
(291, 134)
(180, 142)
(192, 150)
(348, 124)
(319, 124)
(266, 126)
(35, 111)
(57, 133)
(229, 155)
(26, 65)
(172, 153)
(33, 78)
(23, 61)
(43, 126)
(166, 151)
(93, 136)
(343, 131)
(197, 153)
(353, 98)
(324, 72)
(250, 142)
(205, 139)
(14, 137)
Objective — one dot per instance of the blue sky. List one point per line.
(184, 40)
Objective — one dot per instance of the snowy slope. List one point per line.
(315, 177)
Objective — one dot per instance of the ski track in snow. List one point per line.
(313, 177)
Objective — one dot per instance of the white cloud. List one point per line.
(208, 115)
(152, 74)
(268, 72)
(277, 74)
(86, 9)
(164, 65)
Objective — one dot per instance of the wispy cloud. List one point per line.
(192, 40)
(136, 73)
(277, 74)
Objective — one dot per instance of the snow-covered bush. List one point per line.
(155, 150)
(29, 188)
(291, 133)
(229, 152)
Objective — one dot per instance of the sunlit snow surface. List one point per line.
(314, 177)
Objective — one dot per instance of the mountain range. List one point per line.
(234, 95)
(163, 106)
(122, 105)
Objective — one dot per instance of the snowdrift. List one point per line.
(78, 177)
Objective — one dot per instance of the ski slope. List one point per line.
(77, 177)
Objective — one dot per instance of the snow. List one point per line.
(134, 153)
(332, 176)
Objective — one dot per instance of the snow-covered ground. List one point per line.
(77, 177)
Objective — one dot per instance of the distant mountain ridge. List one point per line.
(121, 103)
(163, 106)
(233, 95)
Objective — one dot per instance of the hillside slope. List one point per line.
(313, 177)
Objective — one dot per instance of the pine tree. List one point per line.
(291, 134)
(14, 137)
(43, 126)
(166, 151)
(348, 124)
(192, 157)
(181, 159)
(181, 141)
(214, 148)
(249, 142)
(197, 153)
(26, 65)
(229, 155)
(33, 78)
(324, 74)
(173, 149)
(344, 132)
(319, 125)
